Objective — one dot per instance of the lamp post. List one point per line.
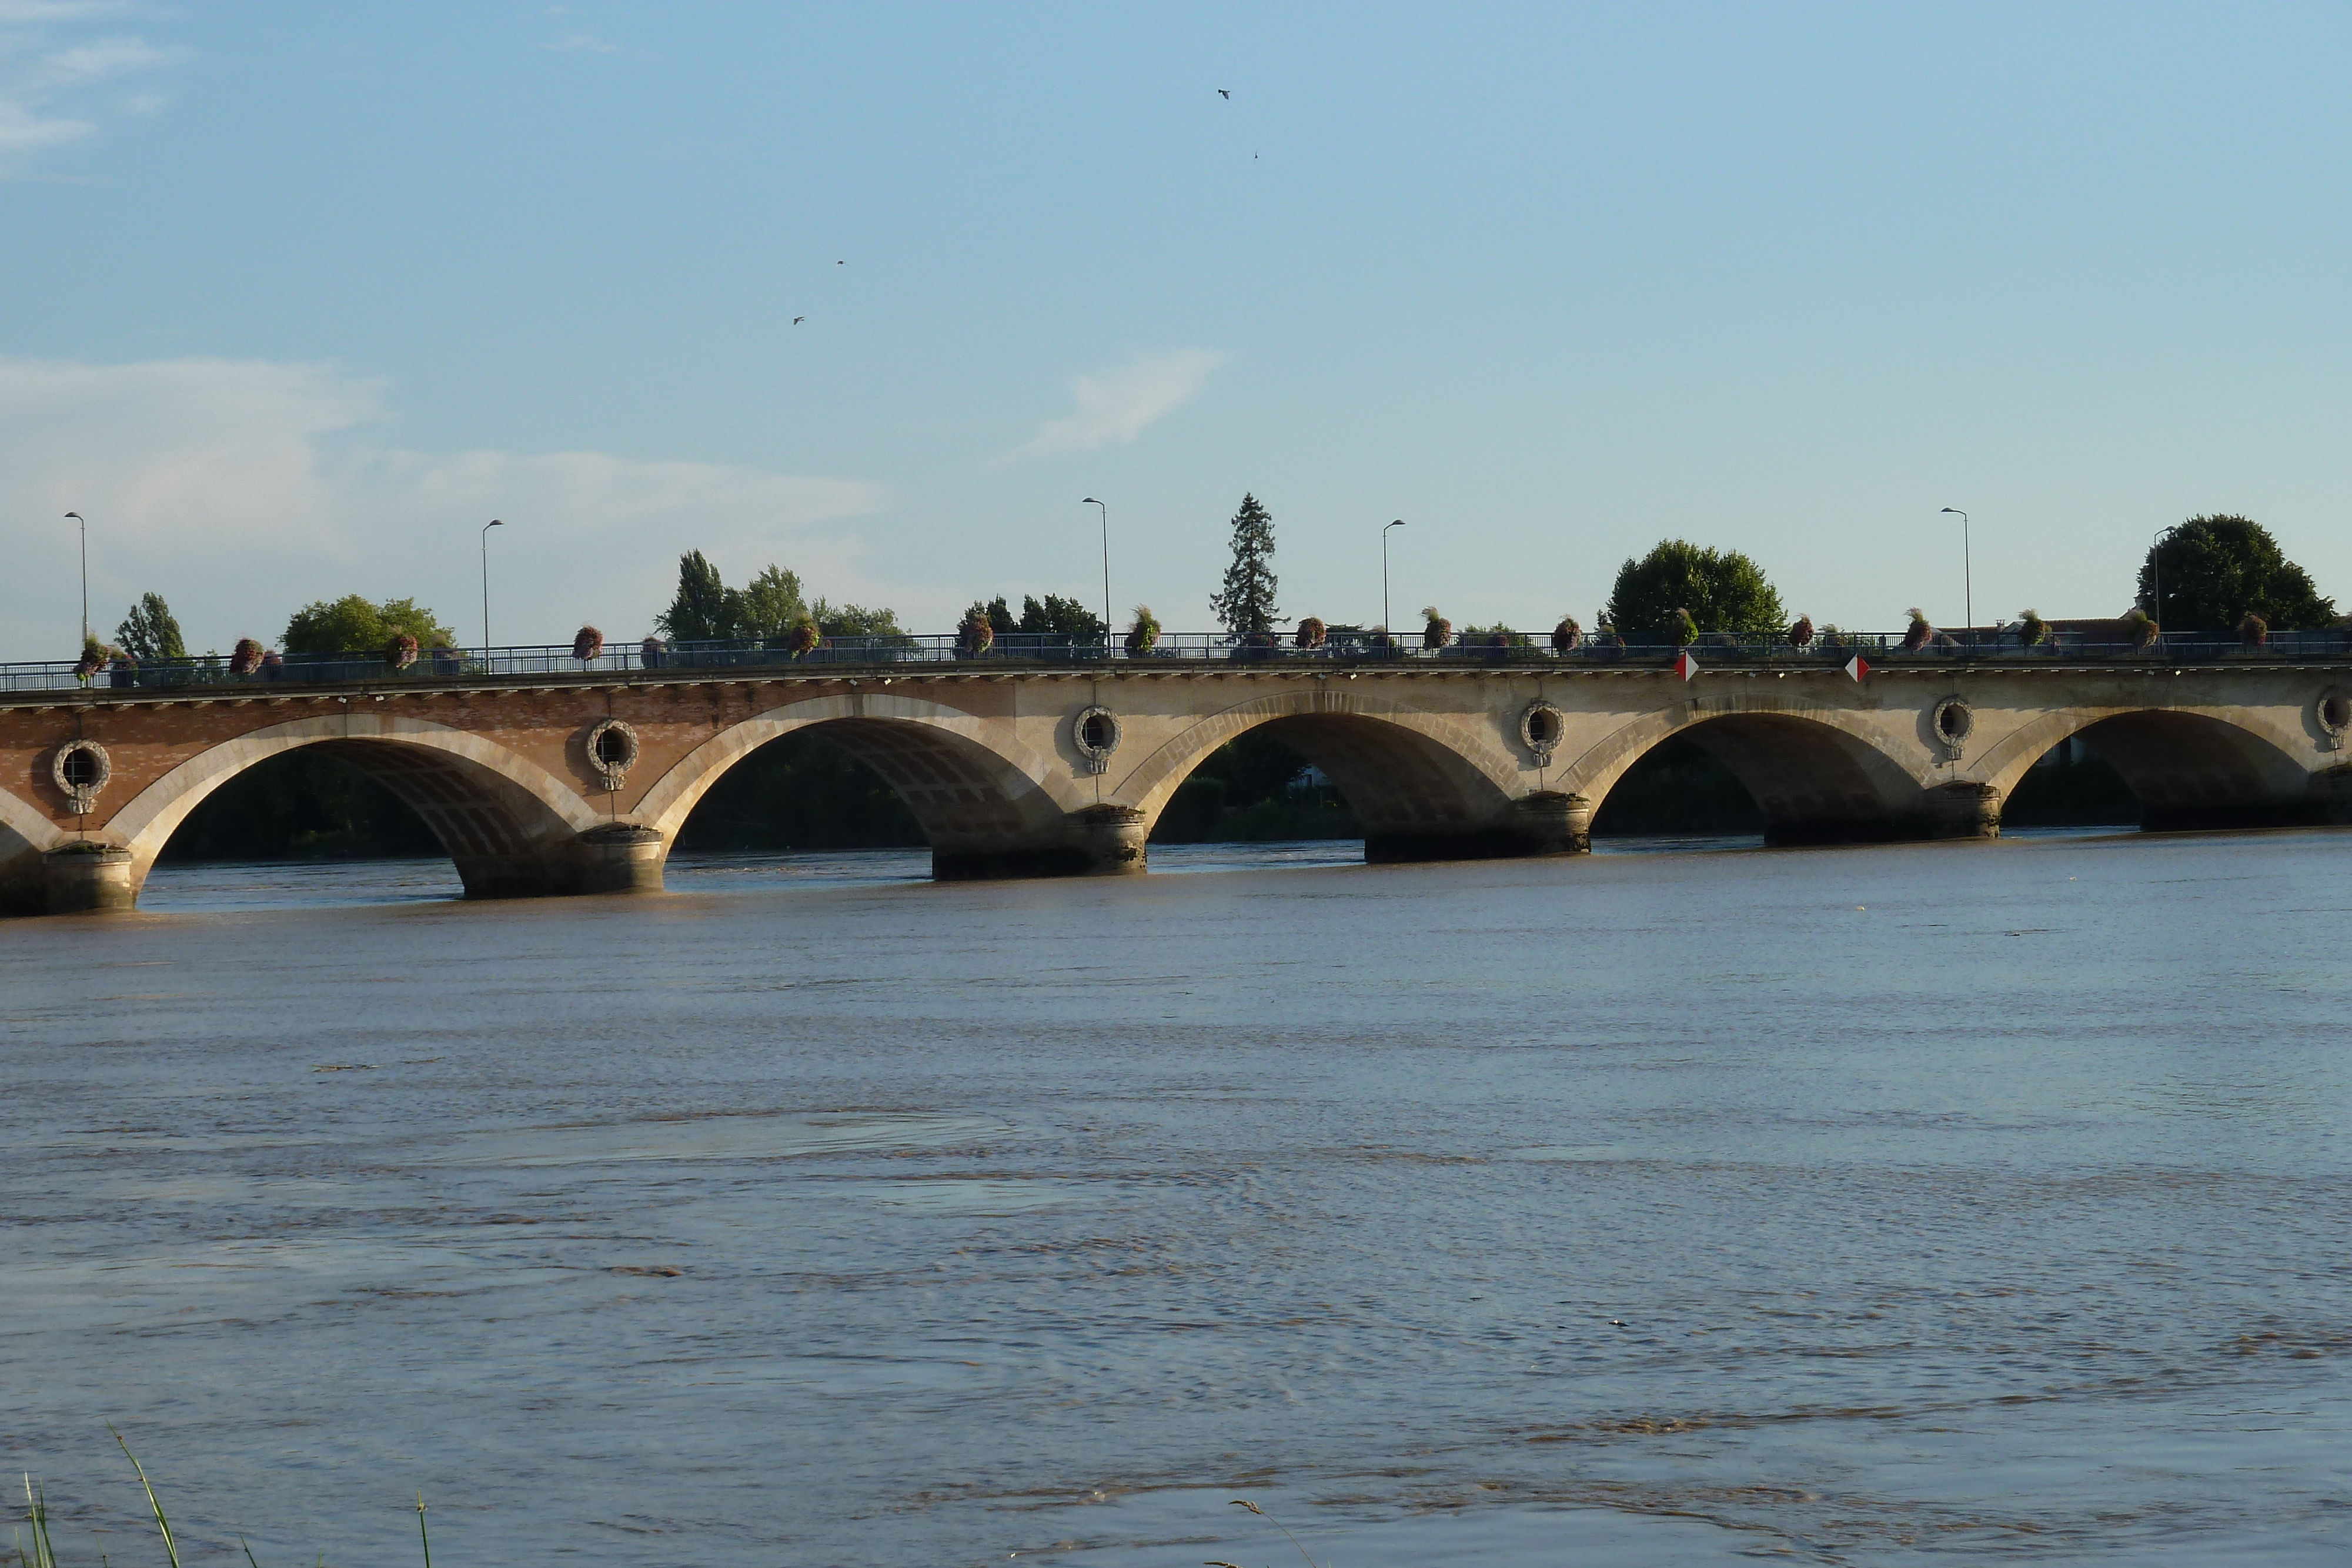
(2156, 579)
(1968, 574)
(1384, 573)
(1090, 501)
(78, 517)
(493, 523)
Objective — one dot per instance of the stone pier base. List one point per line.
(618, 859)
(1548, 823)
(83, 877)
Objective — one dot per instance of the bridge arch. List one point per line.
(510, 827)
(2189, 768)
(1815, 774)
(1426, 785)
(983, 802)
(25, 836)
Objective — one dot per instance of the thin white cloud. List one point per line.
(49, 86)
(243, 489)
(19, 13)
(1115, 409)
(582, 43)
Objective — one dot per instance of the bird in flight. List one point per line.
(798, 320)
(1224, 92)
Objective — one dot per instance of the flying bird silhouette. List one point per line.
(1224, 93)
(798, 320)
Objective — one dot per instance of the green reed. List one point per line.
(42, 1553)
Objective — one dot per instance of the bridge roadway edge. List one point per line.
(1436, 756)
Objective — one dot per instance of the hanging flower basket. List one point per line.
(975, 637)
(1312, 632)
(1568, 637)
(2253, 631)
(401, 652)
(1683, 630)
(246, 658)
(2031, 629)
(586, 643)
(1144, 635)
(1438, 630)
(650, 653)
(803, 640)
(2143, 629)
(1917, 635)
(1800, 636)
(92, 660)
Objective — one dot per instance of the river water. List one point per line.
(1684, 1206)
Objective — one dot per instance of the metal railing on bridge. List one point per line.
(1343, 647)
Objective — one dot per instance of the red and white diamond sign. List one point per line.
(1685, 666)
(1857, 667)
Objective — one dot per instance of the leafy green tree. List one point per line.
(1724, 590)
(149, 632)
(703, 611)
(1060, 617)
(1000, 616)
(768, 608)
(352, 625)
(1245, 604)
(2217, 571)
(854, 621)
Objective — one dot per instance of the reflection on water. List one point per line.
(1682, 1204)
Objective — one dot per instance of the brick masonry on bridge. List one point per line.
(557, 784)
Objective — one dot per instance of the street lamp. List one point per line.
(78, 517)
(1090, 501)
(1968, 575)
(1384, 573)
(493, 523)
(2156, 579)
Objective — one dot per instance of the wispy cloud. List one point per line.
(582, 43)
(49, 83)
(245, 488)
(1115, 409)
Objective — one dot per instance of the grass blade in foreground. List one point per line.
(170, 1550)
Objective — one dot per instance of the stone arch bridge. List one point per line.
(564, 782)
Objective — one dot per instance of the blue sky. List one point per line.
(297, 297)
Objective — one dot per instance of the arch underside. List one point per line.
(487, 833)
(2192, 772)
(1814, 783)
(1417, 799)
(957, 792)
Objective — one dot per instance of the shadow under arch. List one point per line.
(984, 813)
(1813, 782)
(2189, 771)
(25, 836)
(1425, 787)
(511, 828)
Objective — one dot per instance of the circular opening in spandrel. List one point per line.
(1099, 732)
(82, 769)
(1543, 727)
(2336, 712)
(613, 748)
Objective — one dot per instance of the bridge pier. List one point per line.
(1548, 823)
(84, 877)
(618, 859)
(1963, 812)
(1101, 841)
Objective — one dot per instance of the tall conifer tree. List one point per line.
(1247, 604)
